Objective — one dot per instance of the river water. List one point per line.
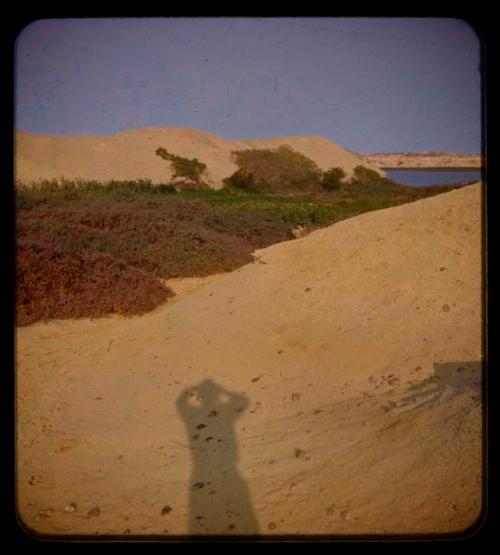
(422, 178)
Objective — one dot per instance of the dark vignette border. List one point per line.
(477, 533)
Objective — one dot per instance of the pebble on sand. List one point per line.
(44, 513)
(96, 511)
(330, 510)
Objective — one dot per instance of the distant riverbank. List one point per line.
(433, 169)
(423, 177)
(425, 161)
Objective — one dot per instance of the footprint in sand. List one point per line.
(64, 447)
(37, 478)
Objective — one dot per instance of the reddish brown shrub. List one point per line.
(55, 284)
(88, 259)
(168, 239)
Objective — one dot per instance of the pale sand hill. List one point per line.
(131, 155)
(321, 150)
(357, 349)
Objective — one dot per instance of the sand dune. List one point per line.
(330, 387)
(131, 155)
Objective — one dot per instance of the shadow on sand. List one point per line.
(448, 380)
(219, 500)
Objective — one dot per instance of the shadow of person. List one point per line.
(219, 500)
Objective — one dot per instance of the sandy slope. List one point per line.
(340, 372)
(131, 155)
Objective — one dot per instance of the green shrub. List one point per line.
(189, 169)
(282, 169)
(243, 180)
(164, 188)
(366, 175)
(332, 179)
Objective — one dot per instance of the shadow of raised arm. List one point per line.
(183, 403)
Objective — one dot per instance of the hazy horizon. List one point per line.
(369, 84)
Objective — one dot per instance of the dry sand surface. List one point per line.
(333, 386)
(131, 155)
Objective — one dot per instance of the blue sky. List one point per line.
(369, 84)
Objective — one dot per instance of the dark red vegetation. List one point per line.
(55, 284)
(83, 260)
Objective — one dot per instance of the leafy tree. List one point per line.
(189, 169)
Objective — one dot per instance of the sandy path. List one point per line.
(340, 372)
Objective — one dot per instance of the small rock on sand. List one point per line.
(330, 510)
(44, 513)
(96, 511)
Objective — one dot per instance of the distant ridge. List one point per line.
(423, 160)
(131, 154)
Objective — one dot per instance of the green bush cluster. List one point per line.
(243, 180)
(281, 169)
(189, 169)
(366, 175)
(332, 179)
